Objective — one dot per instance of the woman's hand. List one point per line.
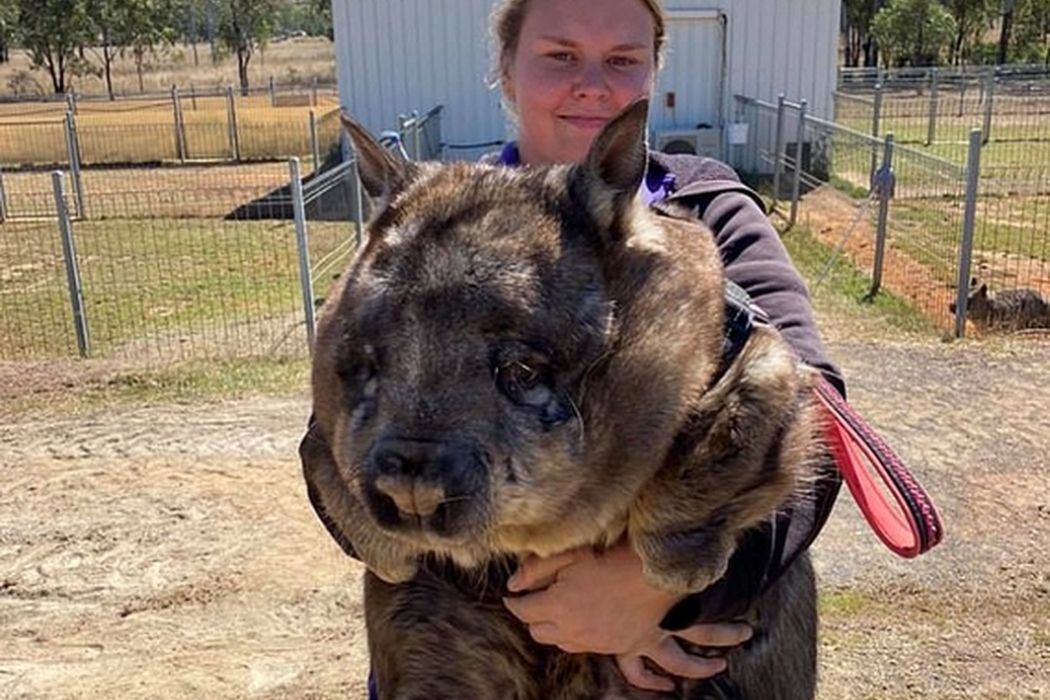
(584, 602)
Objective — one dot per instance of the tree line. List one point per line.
(937, 32)
(71, 38)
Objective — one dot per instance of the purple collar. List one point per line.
(657, 187)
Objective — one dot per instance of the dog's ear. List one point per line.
(344, 517)
(610, 176)
(382, 175)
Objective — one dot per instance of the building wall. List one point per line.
(398, 55)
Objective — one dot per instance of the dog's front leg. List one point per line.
(743, 456)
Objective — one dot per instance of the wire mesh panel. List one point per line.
(191, 191)
(36, 318)
(331, 203)
(32, 143)
(755, 155)
(161, 288)
(29, 195)
(1012, 238)
(925, 232)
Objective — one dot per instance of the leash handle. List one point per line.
(908, 524)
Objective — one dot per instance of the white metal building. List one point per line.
(395, 56)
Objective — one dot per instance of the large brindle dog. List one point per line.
(526, 361)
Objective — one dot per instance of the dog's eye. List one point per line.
(523, 384)
(522, 376)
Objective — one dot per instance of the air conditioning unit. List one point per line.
(700, 142)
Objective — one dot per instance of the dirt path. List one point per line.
(169, 552)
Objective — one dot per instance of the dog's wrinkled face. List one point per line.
(450, 369)
(462, 348)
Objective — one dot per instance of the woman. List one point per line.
(565, 68)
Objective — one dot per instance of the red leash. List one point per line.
(908, 523)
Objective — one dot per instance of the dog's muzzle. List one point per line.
(433, 485)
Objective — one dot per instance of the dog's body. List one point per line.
(527, 361)
(1005, 310)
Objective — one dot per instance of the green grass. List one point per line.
(186, 288)
(841, 603)
(847, 187)
(1011, 226)
(191, 383)
(846, 287)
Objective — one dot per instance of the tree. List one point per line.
(52, 31)
(8, 23)
(857, 15)
(244, 26)
(118, 24)
(913, 32)
(1005, 27)
(1031, 35)
(972, 19)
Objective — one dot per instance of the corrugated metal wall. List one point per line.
(398, 55)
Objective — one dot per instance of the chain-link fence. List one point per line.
(920, 224)
(197, 264)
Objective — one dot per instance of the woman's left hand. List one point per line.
(583, 602)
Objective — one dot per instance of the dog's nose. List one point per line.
(429, 481)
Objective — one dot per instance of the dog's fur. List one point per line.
(525, 361)
(1007, 309)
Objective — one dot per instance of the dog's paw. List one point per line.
(684, 562)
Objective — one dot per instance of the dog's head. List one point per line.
(475, 379)
(977, 305)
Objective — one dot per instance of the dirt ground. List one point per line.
(169, 551)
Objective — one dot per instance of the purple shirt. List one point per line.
(656, 188)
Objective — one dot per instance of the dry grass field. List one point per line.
(289, 62)
(140, 128)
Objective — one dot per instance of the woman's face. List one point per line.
(576, 66)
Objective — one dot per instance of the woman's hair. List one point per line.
(508, 16)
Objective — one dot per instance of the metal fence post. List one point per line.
(305, 278)
(796, 185)
(989, 99)
(71, 101)
(315, 146)
(231, 124)
(180, 128)
(973, 179)
(3, 199)
(73, 150)
(884, 182)
(359, 204)
(69, 252)
(876, 119)
(415, 136)
(931, 126)
(193, 96)
(778, 146)
(273, 93)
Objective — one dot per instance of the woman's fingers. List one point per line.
(722, 634)
(670, 656)
(635, 672)
(536, 572)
